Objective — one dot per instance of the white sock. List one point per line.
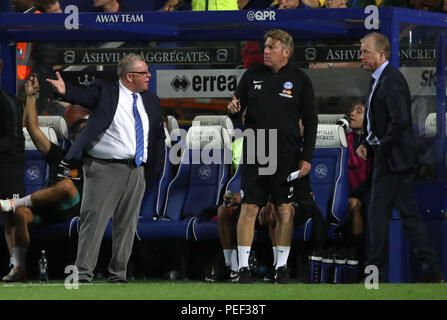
(243, 253)
(234, 263)
(283, 255)
(227, 256)
(275, 255)
(12, 261)
(24, 202)
(19, 256)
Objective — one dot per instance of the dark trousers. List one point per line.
(389, 191)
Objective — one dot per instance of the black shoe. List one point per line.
(117, 280)
(244, 276)
(434, 277)
(270, 276)
(253, 263)
(84, 281)
(282, 275)
(224, 275)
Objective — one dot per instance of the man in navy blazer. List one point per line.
(123, 150)
(388, 134)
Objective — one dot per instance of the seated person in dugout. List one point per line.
(359, 176)
(227, 216)
(55, 204)
(304, 207)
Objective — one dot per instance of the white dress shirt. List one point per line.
(119, 140)
(371, 138)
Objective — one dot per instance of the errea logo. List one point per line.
(180, 83)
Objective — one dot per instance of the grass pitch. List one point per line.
(193, 290)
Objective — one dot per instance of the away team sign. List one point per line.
(204, 83)
(154, 56)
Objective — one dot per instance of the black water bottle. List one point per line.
(43, 267)
(327, 270)
(350, 273)
(339, 266)
(315, 267)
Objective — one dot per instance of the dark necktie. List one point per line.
(372, 140)
(371, 86)
(139, 152)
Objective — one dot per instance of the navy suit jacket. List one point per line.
(391, 123)
(101, 97)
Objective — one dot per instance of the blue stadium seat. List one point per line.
(60, 128)
(172, 123)
(214, 120)
(202, 230)
(329, 179)
(173, 130)
(36, 168)
(202, 175)
(430, 125)
(206, 230)
(152, 224)
(330, 118)
(36, 177)
(63, 230)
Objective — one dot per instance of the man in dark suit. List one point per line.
(123, 147)
(388, 134)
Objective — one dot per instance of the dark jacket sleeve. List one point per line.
(10, 122)
(160, 150)
(156, 156)
(309, 116)
(241, 94)
(364, 133)
(86, 97)
(396, 103)
(364, 129)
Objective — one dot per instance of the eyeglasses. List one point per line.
(143, 73)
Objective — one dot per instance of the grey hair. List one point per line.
(381, 43)
(126, 64)
(281, 36)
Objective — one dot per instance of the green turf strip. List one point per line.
(190, 290)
